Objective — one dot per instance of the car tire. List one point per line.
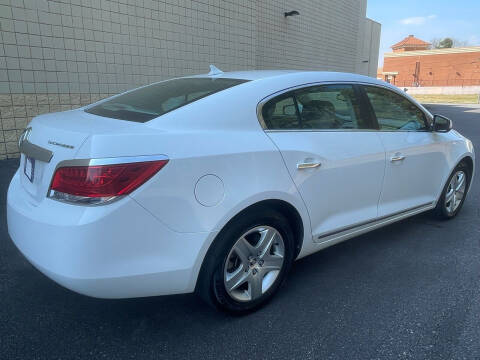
(247, 262)
(454, 193)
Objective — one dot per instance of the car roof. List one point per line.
(296, 75)
(272, 81)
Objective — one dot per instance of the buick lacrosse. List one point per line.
(217, 183)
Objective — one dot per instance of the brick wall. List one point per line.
(460, 69)
(58, 55)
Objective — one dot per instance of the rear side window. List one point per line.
(330, 107)
(325, 107)
(149, 102)
(281, 113)
(395, 112)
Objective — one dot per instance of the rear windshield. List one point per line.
(149, 102)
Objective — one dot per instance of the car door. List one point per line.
(334, 158)
(415, 158)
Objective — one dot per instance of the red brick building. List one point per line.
(412, 64)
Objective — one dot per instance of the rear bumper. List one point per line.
(115, 251)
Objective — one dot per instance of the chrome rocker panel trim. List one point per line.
(337, 236)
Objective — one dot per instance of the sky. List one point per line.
(426, 19)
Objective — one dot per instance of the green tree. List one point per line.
(445, 43)
(438, 43)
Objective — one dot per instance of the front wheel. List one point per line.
(454, 193)
(248, 262)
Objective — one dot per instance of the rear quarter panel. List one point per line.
(249, 166)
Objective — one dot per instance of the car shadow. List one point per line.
(319, 271)
(365, 280)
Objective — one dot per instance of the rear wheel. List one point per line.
(454, 193)
(248, 262)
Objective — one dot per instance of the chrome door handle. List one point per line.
(308, 165)
(397, 158)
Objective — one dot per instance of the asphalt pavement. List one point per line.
(407, 291)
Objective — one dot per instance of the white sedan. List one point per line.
(217, 183)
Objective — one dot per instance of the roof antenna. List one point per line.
(214, 70)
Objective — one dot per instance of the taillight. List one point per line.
(97, 184)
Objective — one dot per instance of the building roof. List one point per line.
(459, 50)
(409, 42)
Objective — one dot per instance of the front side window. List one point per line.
(151, 101)
(323, 107)
(395, 112)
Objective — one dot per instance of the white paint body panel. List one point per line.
(409, 182)
(345, 189)
(154, 241)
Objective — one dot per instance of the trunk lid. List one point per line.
(63, 134)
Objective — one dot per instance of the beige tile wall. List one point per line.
(16, 110)
(59, 54)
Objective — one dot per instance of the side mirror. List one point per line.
(441, 124)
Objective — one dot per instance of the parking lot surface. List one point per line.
(407, 291)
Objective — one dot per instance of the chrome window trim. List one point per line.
(344, 130)
(262, 102)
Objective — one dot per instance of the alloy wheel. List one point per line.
(455, 191)
(254, 263)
